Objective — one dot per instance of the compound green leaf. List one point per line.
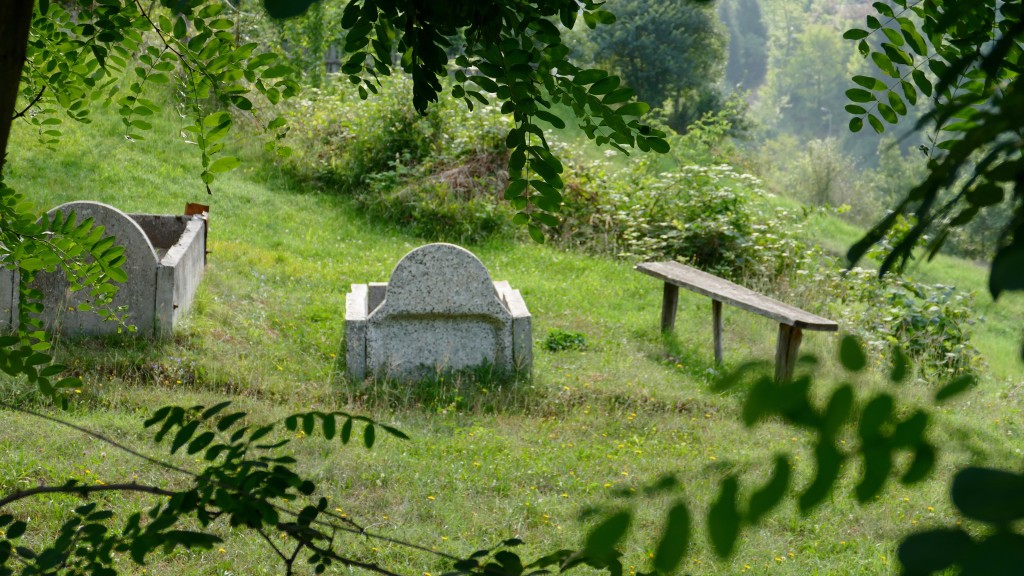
(851, 354)
(860, 95)
(724, 518)
(675, 539)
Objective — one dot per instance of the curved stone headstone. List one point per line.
(138, 293)
(441, 312)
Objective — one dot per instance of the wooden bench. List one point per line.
(792, 320)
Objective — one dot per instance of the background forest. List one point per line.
(774, 71)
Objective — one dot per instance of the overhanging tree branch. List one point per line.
(30, 104)
(84, 491)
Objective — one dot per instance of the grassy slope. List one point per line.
(485, 462)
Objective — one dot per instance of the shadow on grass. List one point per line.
(685, 358)
(482, 390)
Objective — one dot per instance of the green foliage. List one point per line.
(807, 83)
(343, 142)
(674, 206)
(439, 175)
(930, 325)
(825, 174)
(463, 209)
(113, 52)
(671, 53)
(512, 52)
(307, 41)
(965, 58)
(247, 482)
(89, 260)
(559, 340)
(698, 214)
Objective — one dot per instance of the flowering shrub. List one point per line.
(703, 215)
(700, 214)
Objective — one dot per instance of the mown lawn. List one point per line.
(487, 461)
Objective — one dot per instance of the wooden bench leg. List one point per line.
(786, 352)
(669, 303)
(716, 327)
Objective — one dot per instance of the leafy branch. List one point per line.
(30, 104)
(246, 481)
(974, 52)
(513, 53)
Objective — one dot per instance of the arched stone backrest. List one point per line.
(116, 223)
(440, 279)
(138, 293)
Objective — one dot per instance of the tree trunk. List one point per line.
(15, 21)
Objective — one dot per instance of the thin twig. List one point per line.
(239, 10)
(30, 104)
(101, 438)
(272, 545)
(348, 561)
(160, 34)
(84, 491)
(295, 554)
(388, 539)
(353, 527)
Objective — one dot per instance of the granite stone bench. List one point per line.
(439, 312)
(792, 320)
(165, 257)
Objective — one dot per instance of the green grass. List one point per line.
(487, 461)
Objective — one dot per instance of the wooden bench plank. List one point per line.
(725, 291)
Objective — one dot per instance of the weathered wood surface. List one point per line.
(723, 290)
(669, 305)
(716, 328)
(786, 351)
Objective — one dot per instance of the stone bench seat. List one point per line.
(439, 312)
(165, 258)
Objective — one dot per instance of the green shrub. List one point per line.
(340, 140)
(439, 175)
(930, 323)
(461, 203)
(559, 340)
(698, 214)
